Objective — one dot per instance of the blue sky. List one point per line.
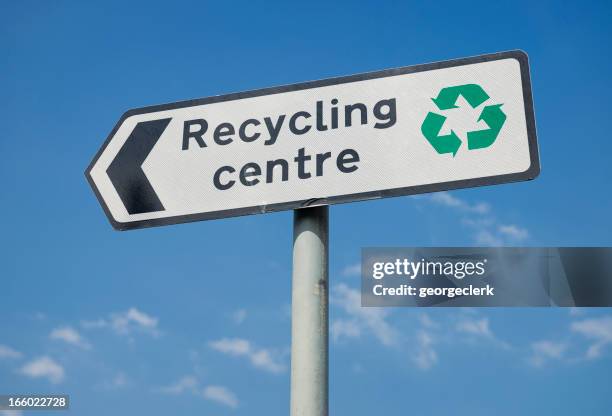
(194, 319)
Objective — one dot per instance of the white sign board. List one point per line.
(424, 128)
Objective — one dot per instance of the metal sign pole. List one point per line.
(309, 313)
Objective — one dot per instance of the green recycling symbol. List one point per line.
(492, 115)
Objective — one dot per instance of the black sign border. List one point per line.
(532, 172)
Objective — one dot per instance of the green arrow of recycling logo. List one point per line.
(492, 115)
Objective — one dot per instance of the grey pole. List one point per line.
(309, 313)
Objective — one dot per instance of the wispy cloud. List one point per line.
(479, 328)
(185, 384)
(468, 327)
(544, 351)
(375, 322)
(451, 201)
(119, 381)
(221, 395)
(478, 216)
(487, 238)
(239, 316)
(372, 320)
(598, 330)
(116, 382)
(514, 232)
(344, 328)
(70, 336)
(189, 384)
(426, 356)
(126, 323)
(9, 353)
(134, 319)
(44, 367)
(264, 359)
(487, 233)
(352, 270)
(427, 322)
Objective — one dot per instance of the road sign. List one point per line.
(424, 128)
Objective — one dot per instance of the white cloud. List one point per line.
(514, 232)
(427, 322)
(265, 359)
(344, 328)
(185, 384)
(479, 328)
(448, 200)
(221, 395)
(8, 352)
(598, 330)
(504, 235)
(133, 318)
(69, 335)
(125, 323)
(119, 381)
(549, 348)
(232, 346)
(487, 238)
(44, 367)
(189, 384)
(488, 232)
(352, 270)
(543, 351)
(239, 316)
(426, 356)
(371, 319)
(595, 328)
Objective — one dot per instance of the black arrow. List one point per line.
(126, 174)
